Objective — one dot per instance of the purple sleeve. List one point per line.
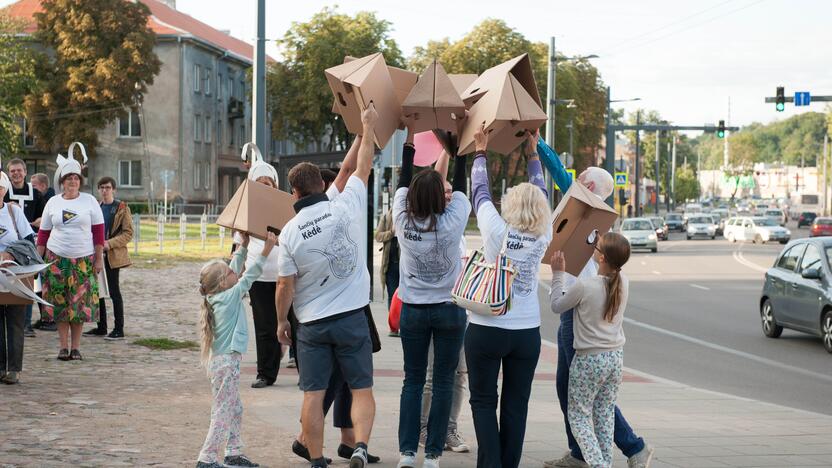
(535, 169)
(480, 189)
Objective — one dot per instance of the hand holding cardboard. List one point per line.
(257, 209)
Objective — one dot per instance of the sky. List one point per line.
(684, 58)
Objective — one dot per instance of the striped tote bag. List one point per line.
(484, 287)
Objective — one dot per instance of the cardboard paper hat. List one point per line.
(507, 111)
(462, 81)
(5, 182)
(358, 83)
(403, 81)
(256, 155)
(68, 165)
(434, 102)
(257, 209)
(520, 67)
(580, 219)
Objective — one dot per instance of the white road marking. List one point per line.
(744, 261)
(658, 273)
(704, 288)
(724, 349)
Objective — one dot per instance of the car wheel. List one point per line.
(784, 242)
(654, 249)
(770, 327)
(713, 237)
(758, 239)
(688, 237)
(826, 330)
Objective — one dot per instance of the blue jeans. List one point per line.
(445, 324)
(391, 281)
(27, 322)
(625, 439)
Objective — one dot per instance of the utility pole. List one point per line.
(550, 112)
(825, 184)
(657, 173)
(609, 144)
(725, 140)
(637, 194)
(258, 120)
(673, 172)
(668, 193)
(571, 131)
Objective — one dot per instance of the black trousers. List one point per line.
(262, 294)
(486, 350)
(115, 296)
(12, 318)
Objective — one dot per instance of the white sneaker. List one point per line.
(407, 461)
(431, 463)
(456, 443)
(642, 459)
(566, 461)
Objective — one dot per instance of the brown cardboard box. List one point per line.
(462, 81)
(507, 111)
(403, 81)
(8, 298)
(580, 214)
(356, 84)
(257, 209)
(434, 102)
(520, 67)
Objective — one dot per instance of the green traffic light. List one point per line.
(720, 134)
(781, 107)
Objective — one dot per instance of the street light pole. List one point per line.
(571, 150)
(657, 174)
(258, 121)
(550, 112)
(637, 194)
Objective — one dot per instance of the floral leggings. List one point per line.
(227, 409)
(593, 388)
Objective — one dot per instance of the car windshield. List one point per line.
(764, 222)
(658, 222)
(774, 213)
(829, 257)
(700, 220)
(636, 225)
(824, 221)
(673, 217)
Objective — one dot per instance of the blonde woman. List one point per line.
(510, 341)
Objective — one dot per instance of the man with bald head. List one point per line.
(638, 453)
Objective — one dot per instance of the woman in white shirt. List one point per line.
(71, 236)
(13, 227)
(512, 340)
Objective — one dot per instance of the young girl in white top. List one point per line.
(595, 375)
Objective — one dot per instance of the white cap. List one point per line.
(5, 182)
(262, 169)
(68, 165)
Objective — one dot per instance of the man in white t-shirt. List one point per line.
(323, 271)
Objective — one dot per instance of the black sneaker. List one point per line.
(359, 458)
(49, 326)
(300, 450)
(95, 332)
(345, 451)
(29, 332)
(261, 383)
(200, 464)
(239, 460)
(115, 335)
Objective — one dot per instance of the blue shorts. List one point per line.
(343, 340)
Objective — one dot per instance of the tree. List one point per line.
(17, 78)
(100, 61)
(687, 185)
(300, 100)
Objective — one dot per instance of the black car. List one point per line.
(806, 219)
(797, 293)
(674, 222)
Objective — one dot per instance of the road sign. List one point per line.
(802, 98)
(621, 179)
(571, 175)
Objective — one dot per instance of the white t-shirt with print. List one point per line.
(7, 231)
(70, 222)
(429, 262)
(255, 247)
(325, 245)
(525, 251)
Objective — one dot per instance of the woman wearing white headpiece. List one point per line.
(13, 226)
(263, 290)
(71, 236)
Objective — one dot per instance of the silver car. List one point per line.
(701, 226)
(640, 233)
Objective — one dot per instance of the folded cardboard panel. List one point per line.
(520, 67)
(434, 102)
(257, 209)
(580, 219)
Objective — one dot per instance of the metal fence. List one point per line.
(182, 233)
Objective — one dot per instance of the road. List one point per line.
(693, 317)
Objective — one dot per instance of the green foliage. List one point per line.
(300, 100)
(687, 185)
(17, 78)
(100, 61)
(166, 344)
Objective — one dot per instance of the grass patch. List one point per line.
(166, 344)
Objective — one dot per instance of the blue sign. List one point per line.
(802, 98)
(620, 179)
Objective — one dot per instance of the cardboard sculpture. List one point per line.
(403, 81)
(580, 219)
(507, 110)
(257, 209)
(359, 82)
(16, 283)
(462, 81)
(520, 67)
(434, 102)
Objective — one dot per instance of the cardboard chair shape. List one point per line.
(257, 209)
(434, 102)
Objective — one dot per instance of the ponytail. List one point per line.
(210, 280)
(613, 296)
(616, 251)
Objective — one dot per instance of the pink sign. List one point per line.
(428, 149)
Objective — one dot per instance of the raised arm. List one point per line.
(442, 164)
(533, 162)
(366, 147)
(349, 164)
(480, 188)
(408, 153)
(550, 159)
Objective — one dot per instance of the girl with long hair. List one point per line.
(224, 338)
(595, 375)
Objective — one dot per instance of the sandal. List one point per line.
(75, 355)
(63, 355)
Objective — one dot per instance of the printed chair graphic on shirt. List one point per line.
(341, 250)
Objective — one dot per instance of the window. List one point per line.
(232, 135)
(219, 86)
(197, 175)
(197, 77)
(28, 138)
(811, 259)
(208, 128)
(789, 259)
(206, 180)
(219, 132)
(130, 174)
(207, 81)
(241, 136)
(130, 126)
(231, 93)
(197, 127)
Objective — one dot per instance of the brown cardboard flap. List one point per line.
(257, 209)
(434, 102)
(462, 81)
(577, 216)
(520, 67)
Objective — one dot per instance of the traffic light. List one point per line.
(781, 99)
(720, 131)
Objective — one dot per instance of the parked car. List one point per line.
(701, 226)
(760, 209)
(662, 230)
(674, 222)
(777, 215)
(719, 223)
(640, 233)
(755, 229)
(821, 227)
(797, 293)
(806, 219)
